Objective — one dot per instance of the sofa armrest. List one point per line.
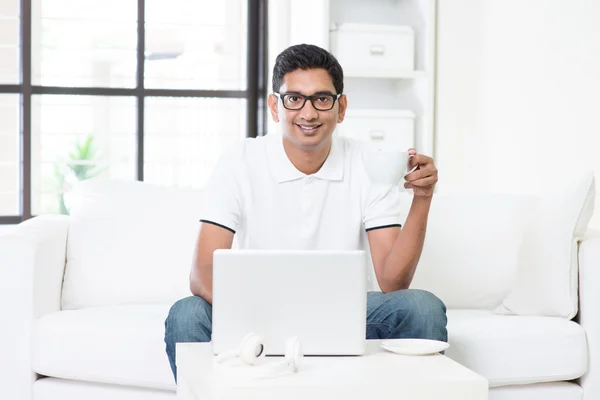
(32, 264)
(589, 309)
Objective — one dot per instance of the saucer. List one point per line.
(414, 347)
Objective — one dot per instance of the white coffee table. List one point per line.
(376, 374)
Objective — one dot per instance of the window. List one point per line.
(77, 137)
(9, 108)
(185, 136)
(9, 41)
(122, 89)
(9, 154)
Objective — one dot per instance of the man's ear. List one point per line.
(343, 104)
(272, 102)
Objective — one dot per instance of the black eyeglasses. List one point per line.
(320, 101)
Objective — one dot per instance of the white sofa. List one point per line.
(84, 297)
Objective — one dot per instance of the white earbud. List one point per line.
(250, 359)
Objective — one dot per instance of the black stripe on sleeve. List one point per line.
(384, 226)
(219, 225)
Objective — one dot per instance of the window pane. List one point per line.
(184, 137)
(84, 43)
(9, 42)
(76, 138)
(196, 44)
(9, 154)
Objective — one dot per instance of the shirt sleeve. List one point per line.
(382, 208)
(222, 205)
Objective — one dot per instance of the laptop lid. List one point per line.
(318, 296)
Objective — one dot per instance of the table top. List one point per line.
(376, 373)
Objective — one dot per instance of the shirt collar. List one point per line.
(283, 170)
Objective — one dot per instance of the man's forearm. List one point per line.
(401, 263)
(201, 282)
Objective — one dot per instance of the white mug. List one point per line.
(386, 167)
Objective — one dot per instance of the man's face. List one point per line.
(307, 127)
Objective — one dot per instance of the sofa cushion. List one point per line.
(130, 243)
(547, 278)
(112, 344)
(511, 350)
(538, 391)
(124, 345)
(66, 389)
(472, 247)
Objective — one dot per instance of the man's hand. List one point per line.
(424, 178)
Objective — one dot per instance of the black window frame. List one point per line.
(254, 94)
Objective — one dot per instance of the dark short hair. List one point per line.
(307, 56)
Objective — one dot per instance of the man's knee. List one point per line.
(426, 312)
(432, 313)
(426, 303)
(189, 319)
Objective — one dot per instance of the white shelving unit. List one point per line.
(399, 80)
(387, 50)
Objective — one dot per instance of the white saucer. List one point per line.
(414, 347)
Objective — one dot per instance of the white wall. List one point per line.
(518, 97)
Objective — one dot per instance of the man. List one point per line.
(308, 190)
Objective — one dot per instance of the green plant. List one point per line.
(80, 165)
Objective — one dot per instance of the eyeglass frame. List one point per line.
(306, 98)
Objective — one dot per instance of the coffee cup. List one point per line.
(387, 167)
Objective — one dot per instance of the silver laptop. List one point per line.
(318, 296)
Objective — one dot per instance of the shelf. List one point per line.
(392, 74)
(380, 113)
(387, 52)
(369, 28)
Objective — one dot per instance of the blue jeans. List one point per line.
(409, 313)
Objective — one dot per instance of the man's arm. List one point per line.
(210, 238)
(396, 252)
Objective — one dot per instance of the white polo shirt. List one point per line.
(257, 193)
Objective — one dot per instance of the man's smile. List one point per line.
(308, 129)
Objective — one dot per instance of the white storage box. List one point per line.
(382, 129)
(366, 50)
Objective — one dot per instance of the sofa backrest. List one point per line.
(473, 247)
(129, 243)
(133, 242)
